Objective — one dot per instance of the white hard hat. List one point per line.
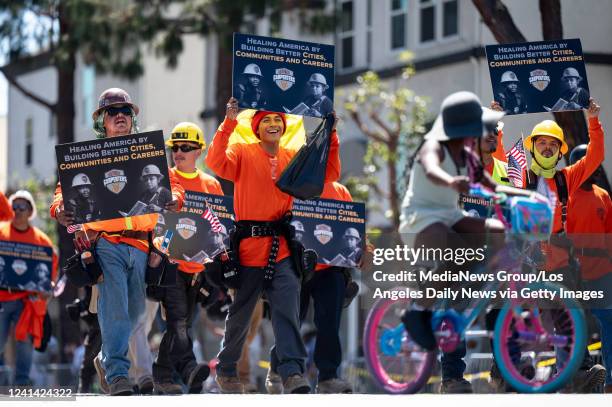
(23, 194)
(252, 69)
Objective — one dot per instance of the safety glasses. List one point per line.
(114, 111)
(18, 206)
(185, 148)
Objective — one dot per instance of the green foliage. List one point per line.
(403, 116)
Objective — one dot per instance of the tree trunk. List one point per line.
(394, 198)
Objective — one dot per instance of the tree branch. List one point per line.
(13, 81)
(552, 26)
(497, 17)
(365, 130)
(376, 119)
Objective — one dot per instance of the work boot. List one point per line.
(197, 377)
(274, 383)
(101, 374)
(168, 387)
(587, 380)
(229, 384)
(456, 386)
(296, 384)
(121, 386)
(334, 386)
(145, 385)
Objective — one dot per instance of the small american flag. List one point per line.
(73, 228)
(210, 216)
(517, 163)
(518, 153)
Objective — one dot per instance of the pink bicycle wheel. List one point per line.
(396, 363)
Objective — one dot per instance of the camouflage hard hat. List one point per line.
(318, 78)
(252, 69)
(80, 179)
(571, 73)
(352, 232)
(508, 76)
(151, 169)
(114, 97)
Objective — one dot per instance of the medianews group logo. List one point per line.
(115, 180)
(539, 79)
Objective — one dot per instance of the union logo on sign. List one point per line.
(539, 79)
(19, 267)
(115, 180)
(323, 233)
(186, 228)
(284, 78)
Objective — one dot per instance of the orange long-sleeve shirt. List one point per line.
(31, 320)
(589, 225)
(6, 212)
(114, 227)
(256, 197)
(337, 191)
(200, 183)
(575, 175)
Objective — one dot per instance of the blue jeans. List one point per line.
(604, 316)
(121, 302)
(10, 312)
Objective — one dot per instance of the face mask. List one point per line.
(543, 166)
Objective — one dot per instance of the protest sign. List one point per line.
(480, 207)
(539, 76)
(25, 266)
(198, 238)
(114, 177)
(282, 75)
(334, 229)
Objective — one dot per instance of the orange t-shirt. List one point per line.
(6, 212)
(114, 227)
(256, 197)
(337, 191)
(201, 183)
(575, 176)
(589, 225)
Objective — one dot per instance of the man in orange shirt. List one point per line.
(25, 309)
(547, 145)
(260, 209)
(176, 347)
(589, 226)
(121, 251)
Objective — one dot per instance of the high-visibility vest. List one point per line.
(500, 172)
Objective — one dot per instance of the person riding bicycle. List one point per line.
(445, 166)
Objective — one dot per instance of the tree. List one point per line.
(497, 17)
(395, 126)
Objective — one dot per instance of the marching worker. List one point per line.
(547, 145)
(263, 241)
(176, 348)
(24, 309)
(121, 251)
(589, 226)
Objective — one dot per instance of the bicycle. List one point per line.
(524, 330)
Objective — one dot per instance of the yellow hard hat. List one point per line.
(547, 128)
(187, 131)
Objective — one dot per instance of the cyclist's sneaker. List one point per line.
(456, 386)
(274, 383)
(418, 325)
(296, 384)
(334, 386)
(588, 380)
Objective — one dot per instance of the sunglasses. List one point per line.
(21, 207)
(114, 111)
(185, 148)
